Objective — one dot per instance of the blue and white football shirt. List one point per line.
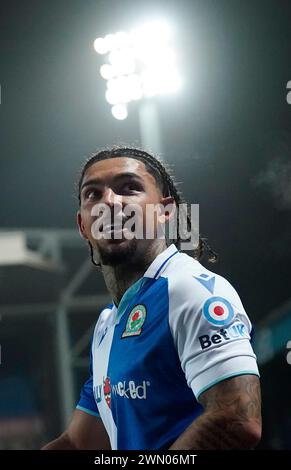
(177, 331)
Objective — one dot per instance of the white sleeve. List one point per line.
(211, 332)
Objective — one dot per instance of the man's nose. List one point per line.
(111, 199)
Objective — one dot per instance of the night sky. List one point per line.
(226, 134)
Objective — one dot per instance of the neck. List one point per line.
(119, 278)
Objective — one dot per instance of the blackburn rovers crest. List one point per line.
(135, 321)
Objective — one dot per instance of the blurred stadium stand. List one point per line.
(50, 300)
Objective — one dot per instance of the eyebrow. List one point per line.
(95, 181)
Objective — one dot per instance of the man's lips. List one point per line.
(114, 233)
(112, 228)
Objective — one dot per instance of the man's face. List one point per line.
(116, 183)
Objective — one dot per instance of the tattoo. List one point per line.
(232, 417)
(241, 394)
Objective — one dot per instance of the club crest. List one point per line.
(135, 321)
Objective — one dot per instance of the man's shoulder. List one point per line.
(191, 282)
(201, 299)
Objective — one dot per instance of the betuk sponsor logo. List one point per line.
(223, 335)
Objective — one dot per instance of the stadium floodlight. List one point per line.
(140, 64)
(119, 111)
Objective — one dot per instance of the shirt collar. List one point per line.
(155, 269)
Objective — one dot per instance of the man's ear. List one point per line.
(82, 231)
(169, 209)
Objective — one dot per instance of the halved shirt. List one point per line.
(177, 331)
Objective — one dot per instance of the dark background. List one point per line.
(226, 135)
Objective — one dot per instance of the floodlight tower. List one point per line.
(140, 65)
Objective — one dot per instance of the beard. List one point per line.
(117, 253)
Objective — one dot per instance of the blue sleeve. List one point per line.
(87, 401)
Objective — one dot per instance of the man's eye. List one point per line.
(130, 187)
(92, 194)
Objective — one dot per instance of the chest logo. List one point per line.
(135, 321)
(107, 391)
